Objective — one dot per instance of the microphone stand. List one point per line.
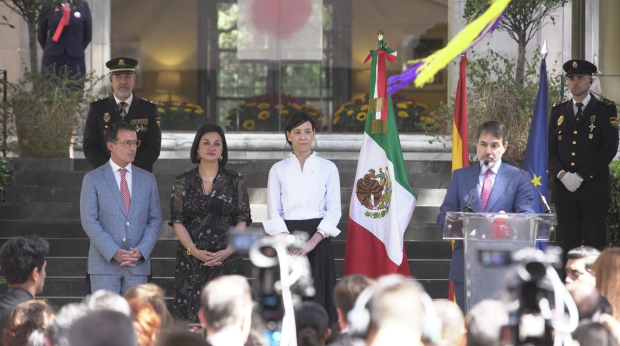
(542, 199)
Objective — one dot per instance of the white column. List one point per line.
(98, 51)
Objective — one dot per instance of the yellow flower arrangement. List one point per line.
(242, 104)
(338, 112)
(187, 110)
(314, 114)
(364, 108)
(174, 108)
(249, 125)
(250, 104)
(264, 115)
(350, 112)
(200, 111)
(346, 104)
(422, 105)
(403, 114)
(402, 105)
(336, 118)
(284, 111)
(408, 103)
(263, 106)
(361, 116)
(426, 119)
(161, 110)
(279, 106)
(296, 106)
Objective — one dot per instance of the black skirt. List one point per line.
(322, 265)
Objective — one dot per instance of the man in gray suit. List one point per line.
(120, 212)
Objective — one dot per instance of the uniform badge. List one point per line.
(590, 136)
(158, 123)
(121, 62)
(106, 117)
(560, 120)
(614, 122)
(575, 64)
(140, 124)
(592, 127)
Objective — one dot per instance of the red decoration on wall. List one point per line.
(281, 17)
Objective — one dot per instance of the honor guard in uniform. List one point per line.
(122, 105)
(583, 140)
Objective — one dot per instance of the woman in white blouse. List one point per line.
(303, 194)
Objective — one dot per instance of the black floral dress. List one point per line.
(207, 219)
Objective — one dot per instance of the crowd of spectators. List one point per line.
(392, 310)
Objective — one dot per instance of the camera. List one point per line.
(281, 280)
(536, 295)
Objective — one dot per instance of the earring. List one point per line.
(221, 158)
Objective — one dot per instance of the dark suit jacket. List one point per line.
(104, 112)
(574, 146)
(75, 36)
(344, 339)
(512, 193)
(8, 302)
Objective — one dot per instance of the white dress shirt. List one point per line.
(117, 175)
(585, 103)
(225, 338)
(483, 173)
(296, 195)
(128, 102)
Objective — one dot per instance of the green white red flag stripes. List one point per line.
(382, 201)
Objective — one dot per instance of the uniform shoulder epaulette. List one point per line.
(560, 103)
(149, 101)
(99, 99)
(605, 101)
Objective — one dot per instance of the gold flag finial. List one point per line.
(380, 35)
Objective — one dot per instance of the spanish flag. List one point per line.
(460, 152)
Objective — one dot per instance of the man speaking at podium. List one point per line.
(495, 187)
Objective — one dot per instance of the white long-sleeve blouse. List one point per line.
(293, 194)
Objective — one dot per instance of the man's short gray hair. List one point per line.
(484, 323)
(397, 300)
(58, 329)
(108, 300)
(103, 328)
(225, 301)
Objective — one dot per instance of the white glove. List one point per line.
(572, 181)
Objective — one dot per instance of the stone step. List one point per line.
(165, 267)
(46, 194)
(60, 291)
(69, 212)
(256, 179)
(73, 229)
(167, 248)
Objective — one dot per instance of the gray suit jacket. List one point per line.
(511, 193)
(110, 229)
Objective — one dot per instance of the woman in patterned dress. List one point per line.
(205, 203)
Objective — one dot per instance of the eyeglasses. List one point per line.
(127, 144)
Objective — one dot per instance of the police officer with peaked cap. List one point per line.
(583, 140)
(122, 105)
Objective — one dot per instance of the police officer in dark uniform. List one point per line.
(583, 140)
(63, 33)
(122, 105)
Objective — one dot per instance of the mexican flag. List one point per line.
(382, 201)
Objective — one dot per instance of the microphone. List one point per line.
(540, 195)
(472, 193)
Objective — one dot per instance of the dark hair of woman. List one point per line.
(594, 334)
(206, 129)
(295, 120)
(311, 321)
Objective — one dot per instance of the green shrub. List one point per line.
(613, 215)
(44, 107)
